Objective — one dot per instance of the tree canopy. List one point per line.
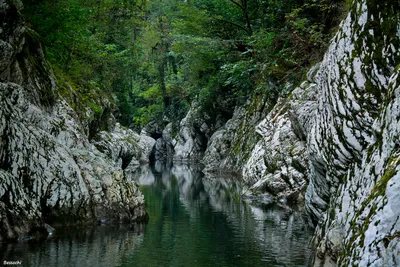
(158, 56)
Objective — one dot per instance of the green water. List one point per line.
(194, 221)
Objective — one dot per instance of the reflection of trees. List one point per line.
(100, 246)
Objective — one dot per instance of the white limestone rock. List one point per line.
(49, 171)
(60, 177)
(229, 148)
(125, 146)
(164, 146)
(277, 167)
(354, 142)
(191, 141)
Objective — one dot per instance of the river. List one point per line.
(195, 220)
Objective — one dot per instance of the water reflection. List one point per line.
(216, 225)
(195, 220)
(99, 246)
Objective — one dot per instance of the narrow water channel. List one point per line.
(195, 220)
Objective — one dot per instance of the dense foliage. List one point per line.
(158, 56)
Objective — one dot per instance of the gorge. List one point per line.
(330, 144)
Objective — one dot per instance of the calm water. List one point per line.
(194, 221)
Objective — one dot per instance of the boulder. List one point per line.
(125, 146)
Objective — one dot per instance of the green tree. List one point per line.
(158, 56)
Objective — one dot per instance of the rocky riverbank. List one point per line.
(50, 172)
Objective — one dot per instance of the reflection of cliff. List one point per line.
(282, 232)
(186, 177)
(279, 231)
(215, 206)
(189, 182)
(223, 193)
(142, 175)
(101, 246)
(191, 189)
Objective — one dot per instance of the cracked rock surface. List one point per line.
(49, 171)
(354, 144)
(335, 141)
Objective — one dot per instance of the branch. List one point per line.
(243, 7)
(237, 25)
(237, 4)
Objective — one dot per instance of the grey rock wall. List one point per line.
(354, 145)
(49, 171)
(164, 147)
(190, 142)
(338, 135)
(230, 146)
(125, 146)
(278, 166)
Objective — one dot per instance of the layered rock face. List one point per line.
(277, 167)
(124, 146)
(354, 142)
(190, 143)
(346, 119)
(49, 171)
(229, 147)
(191, 140)
(339, 133)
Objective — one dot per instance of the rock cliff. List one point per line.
(190, 142)
(353, 144)
(344, 121)
(277, 167)
(49, 170)
(229, 147)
